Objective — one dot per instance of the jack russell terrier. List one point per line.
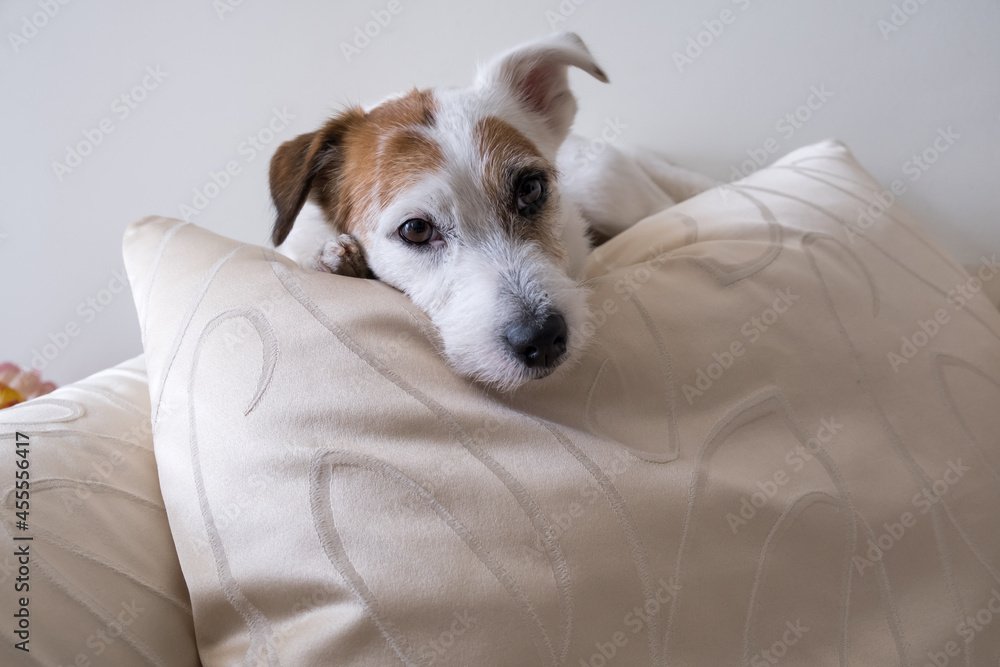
(476, 204)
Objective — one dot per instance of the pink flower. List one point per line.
(17, 386)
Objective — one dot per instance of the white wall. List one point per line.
(225, 74)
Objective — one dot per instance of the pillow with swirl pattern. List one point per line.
(88, 571)
(782, 444)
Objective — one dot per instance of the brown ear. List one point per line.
(307, 160)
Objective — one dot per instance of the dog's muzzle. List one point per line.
(540, 345)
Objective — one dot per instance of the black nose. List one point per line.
(539, 345)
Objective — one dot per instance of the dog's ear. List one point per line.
(535, 73)
(309, 160)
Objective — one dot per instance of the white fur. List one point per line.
(619, 186)
(308, 237)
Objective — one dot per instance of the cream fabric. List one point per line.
(103, 583)
(781, 447)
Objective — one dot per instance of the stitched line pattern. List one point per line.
(321, 501)
(73, 411)
(521, 496)
(261, 632)
(196, 299)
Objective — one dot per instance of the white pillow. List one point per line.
(775, 384)
(100, 583)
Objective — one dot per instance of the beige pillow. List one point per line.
(99, 583)
(781, 446)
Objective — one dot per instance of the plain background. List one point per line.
(895, 75)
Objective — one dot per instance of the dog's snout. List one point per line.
(539, 345)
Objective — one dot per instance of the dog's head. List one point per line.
(454, 197)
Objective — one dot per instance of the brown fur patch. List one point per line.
(311, 165)
(355, 161)
(506, 153)
(304, 166)
(385, 154)
(502, 149)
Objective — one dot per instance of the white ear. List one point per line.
(535, 74)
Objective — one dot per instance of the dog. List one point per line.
(476, 203)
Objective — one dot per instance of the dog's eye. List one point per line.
(416, 231)
(530, 195)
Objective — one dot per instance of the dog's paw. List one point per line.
(342, 255)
